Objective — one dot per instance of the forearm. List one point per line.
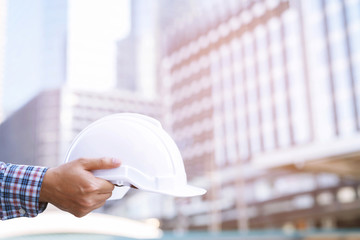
(20, 187)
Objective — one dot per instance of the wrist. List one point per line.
(47, 185)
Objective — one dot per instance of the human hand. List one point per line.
(73, 188)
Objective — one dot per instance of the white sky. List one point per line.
(94, 28)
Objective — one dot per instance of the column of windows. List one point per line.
(298, 99)
(340, 67)
(277, 66)
(264, 88)
(352, 9)
(215, 65)
(324, 125)
(228, 105)
(241, 118)
(251, 93)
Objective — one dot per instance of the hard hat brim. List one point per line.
(184, 191)
(126, 175)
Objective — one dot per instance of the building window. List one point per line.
(352, 9)
(319, 78)
(228, 106)
(251, 93)
(241, 122)
(340, 68)
(219, 135)
(264, 88)
(297, 91)
(280, 101)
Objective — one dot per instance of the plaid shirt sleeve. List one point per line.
(19, 190)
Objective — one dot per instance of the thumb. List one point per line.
(100, 163)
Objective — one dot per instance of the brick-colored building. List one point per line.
(255, 88)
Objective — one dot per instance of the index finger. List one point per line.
(99, 163)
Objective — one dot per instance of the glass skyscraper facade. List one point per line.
(35, 57)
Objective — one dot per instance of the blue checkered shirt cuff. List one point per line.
(20, 187)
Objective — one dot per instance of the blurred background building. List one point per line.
(41, 131)
(255, 88)
(261, 96)
(36, 35)
(137, 53)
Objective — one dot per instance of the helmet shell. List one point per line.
(150, 158)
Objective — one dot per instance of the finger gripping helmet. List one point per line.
(150, 158)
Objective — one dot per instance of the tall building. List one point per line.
(2, 51)
(35, 49)
(126, 75)
(137, 53)
(255, 89)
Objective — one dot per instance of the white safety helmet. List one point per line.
(150, 159)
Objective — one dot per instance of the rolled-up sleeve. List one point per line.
(20, 187)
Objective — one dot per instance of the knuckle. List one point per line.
(90, 188)
(81, 161)
(86, 204)
(102, 160)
